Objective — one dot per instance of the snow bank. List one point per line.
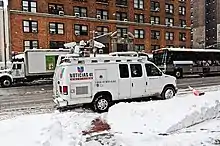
(57, 129)
(165, 116)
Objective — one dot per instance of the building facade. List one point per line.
(148, 24)
(206, 23)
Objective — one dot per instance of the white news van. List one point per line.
(101, 80)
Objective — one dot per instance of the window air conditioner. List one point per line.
(61, 13)
(77, 15)
(98, 17)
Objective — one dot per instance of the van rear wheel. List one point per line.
(168, 92)
(101, 103)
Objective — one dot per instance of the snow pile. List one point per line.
(57, 129)
(128, 124)
(165, 116)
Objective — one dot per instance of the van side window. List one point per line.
(123, 68)
(136, 70)
(152, 70)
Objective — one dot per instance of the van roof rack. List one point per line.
(108, 59)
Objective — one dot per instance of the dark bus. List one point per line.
(179, 61)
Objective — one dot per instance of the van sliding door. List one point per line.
(124, 83)
(137, 81)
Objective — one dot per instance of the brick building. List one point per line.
(148, 24)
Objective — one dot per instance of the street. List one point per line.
(25, 98)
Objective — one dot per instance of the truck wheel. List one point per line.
(101, 103)
(168, 92)
(178, 74)
(6, 82)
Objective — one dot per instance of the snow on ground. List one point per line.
(132, 124)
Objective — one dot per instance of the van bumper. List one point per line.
(60, 102)
(176, 90)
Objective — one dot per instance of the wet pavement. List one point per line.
(29, 97)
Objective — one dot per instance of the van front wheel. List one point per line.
(6, 82)
(168, 93)
(101, 103)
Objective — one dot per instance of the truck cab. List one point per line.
(103, 80)
(14, 73)
(18, 71)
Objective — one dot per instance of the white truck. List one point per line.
(36, 64)
(102, 80)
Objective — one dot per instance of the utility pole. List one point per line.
(4, 37)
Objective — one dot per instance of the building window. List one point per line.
(102, 1)
(182, 36)
(182, 46)
(155, 47)
(102, 30)
(122, 32)
(169, 46)
(169, 36)
(30, 26)
(29, 6)
(122, 2)
(56, 28)
(155, 20)
(80, 29)
(155, 34)
(138, 4)
(80, 0)
(169, 21)
(80, 11)
(139, 47)
(55, 8)
(121, 16)
(182, 23)
(139, 33)
(56, 44)
(102, 14)
(30, 44)
(183, 0)
(155, 6)
(182, 10)
(169, 8)
(139, 18)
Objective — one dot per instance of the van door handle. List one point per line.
(146, 83)
(132, 84)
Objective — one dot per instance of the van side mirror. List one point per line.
(160, 73)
